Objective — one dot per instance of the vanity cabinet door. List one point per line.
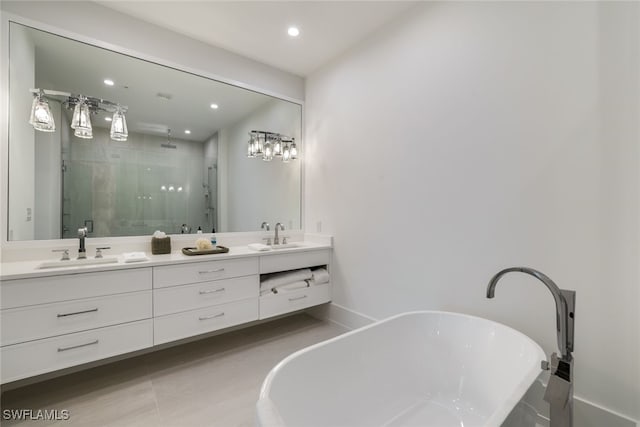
(43, 290)
(286, 302)
(195, 322)
(47, 320)
(188, 297)
(197, 272)
(51, 354)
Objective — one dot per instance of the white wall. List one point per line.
(260, 191)
(468, 137)
(22, 198)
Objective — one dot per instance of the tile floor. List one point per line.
(211, 382)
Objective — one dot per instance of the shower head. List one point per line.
(168, 144)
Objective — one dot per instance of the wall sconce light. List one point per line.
(83, 106)
(41, 117)
(269, 145)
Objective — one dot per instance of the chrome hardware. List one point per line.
(93, 310)
(82, 251)
(265, 226)
(276, 239)
(284, 240)
(211, 291)
(211, 271)
(214, 316)
(99, 251)
(297, 298)
(60, 349)
(559, 391)
(65, 254)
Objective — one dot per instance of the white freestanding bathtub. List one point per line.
(424, 368)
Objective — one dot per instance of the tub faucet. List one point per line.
(559, 391)
(276, 239)
(82, 234)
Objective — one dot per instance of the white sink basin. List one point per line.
(78, 262)
(286, 246)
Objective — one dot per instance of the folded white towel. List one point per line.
(135, 256)
(293, 286)
(258, 247)
(320, 276)
(279, 279)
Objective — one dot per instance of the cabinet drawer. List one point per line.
(171, 275)
(285, 302)
(175, 299)
(43, 290)
(291, 261)
(47, 355)
(194, 322)
(47, 320)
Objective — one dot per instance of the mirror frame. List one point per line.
(5, 19)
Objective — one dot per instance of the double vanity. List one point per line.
(56, 318)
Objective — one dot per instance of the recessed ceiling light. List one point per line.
(108, 82)
(187, 131)
(293, 31)
(108, 118)
(214, 106)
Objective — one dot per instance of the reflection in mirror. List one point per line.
(162, 149)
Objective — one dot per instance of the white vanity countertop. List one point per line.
(30, 269)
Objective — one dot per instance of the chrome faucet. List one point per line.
(82, 234)
(559, 392)
(265, 225)
(276, 239)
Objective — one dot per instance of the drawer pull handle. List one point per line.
(61, 349)
(211, 271)
(297, 298)
(213, 291)
(214, 316)
(93, 310)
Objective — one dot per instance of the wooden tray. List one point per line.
(194, 251)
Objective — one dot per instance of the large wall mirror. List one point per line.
(182, 162)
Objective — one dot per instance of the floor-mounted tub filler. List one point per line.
(424, 368)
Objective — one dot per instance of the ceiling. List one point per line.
(258, 29)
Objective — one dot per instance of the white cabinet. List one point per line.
(194, 322)
(58, 321)
(55, 322)
(202, 297)
(46, 355)
(288, 301)
(47, 320)
(171, 275)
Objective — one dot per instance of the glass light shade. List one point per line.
(268, 152)
(259, 146)
(41, 117)
(294, 150)
(119, 130)
(81, 117)
(286, 153)
(277, 147)
(251, 147)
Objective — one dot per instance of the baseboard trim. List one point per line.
(342, 316)
(586, 413)
(589, 414)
